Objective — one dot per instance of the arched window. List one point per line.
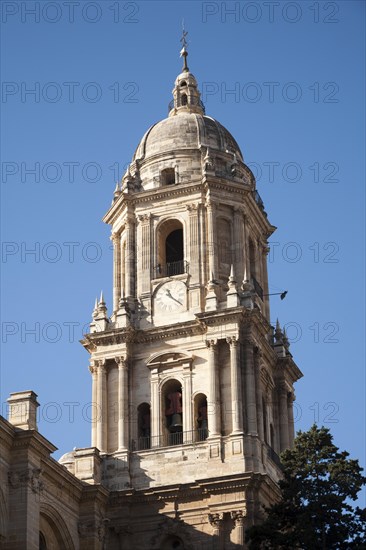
(183, 83)
(144, 426)
(170, 249)
(200, 413)
(174, 247)
(168, 176)
(172, 412)
(184, 99)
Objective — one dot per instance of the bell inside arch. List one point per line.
(176, 423)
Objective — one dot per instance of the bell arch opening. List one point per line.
(170, 249)
(172, 413)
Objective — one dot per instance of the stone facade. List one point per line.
(192, 387)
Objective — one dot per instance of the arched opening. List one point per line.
(174, 247)
(170, 249)
(167, 176)
(42, 542)
(200, 415)
(184, 100)
(172, 543)
(53, 531)
(144, 426)
(183, 83)
(172, 413)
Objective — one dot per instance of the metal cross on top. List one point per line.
(183, 52)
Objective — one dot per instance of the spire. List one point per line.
(186, 96)
(183, 52)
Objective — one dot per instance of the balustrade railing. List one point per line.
(170, 439)
(171, 268)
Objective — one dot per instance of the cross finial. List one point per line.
(183, 52)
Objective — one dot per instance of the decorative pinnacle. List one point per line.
(101, 301)
(183, 52)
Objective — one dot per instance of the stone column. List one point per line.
(238, 518)
(284, 424)
(246, 246)
(238, 242)
(116, 239)
(212, 240)
(102, 405)
(145, 256)
(265, 279)
(235, 377)
(193, 247)
(251, 408)
(258, 394)
(290, 414)
(130, 256)
(213, 404)
(95, 406)
(216, 521)
(155, 408)
(122, 403)
(187, 403)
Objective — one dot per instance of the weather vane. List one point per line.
(183, 52)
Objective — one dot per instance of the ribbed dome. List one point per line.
(186, 130)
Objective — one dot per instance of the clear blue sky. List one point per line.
(102, 74)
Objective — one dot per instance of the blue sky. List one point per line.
(287, 80)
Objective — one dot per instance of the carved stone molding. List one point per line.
(216, 519)
(238, 516)
(121, 361)
(211, 344)
(192, 208)
(144, 218)
(30, 476)
(232, 340)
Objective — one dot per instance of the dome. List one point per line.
(186, 131)
(185, 146)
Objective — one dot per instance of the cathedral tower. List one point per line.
(192, 386)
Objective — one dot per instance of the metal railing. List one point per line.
(170, 440)
(171, 268)
(257, 288)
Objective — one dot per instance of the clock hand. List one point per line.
(168, 293)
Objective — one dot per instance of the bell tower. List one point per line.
(191, 385)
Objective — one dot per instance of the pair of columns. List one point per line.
(100, 404)
(216, 521)
(213, 401)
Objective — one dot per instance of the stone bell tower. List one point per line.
(192, 386)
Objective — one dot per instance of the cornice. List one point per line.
(32, 439)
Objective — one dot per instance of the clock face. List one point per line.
(171, 297)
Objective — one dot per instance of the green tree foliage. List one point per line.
(315, 511)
